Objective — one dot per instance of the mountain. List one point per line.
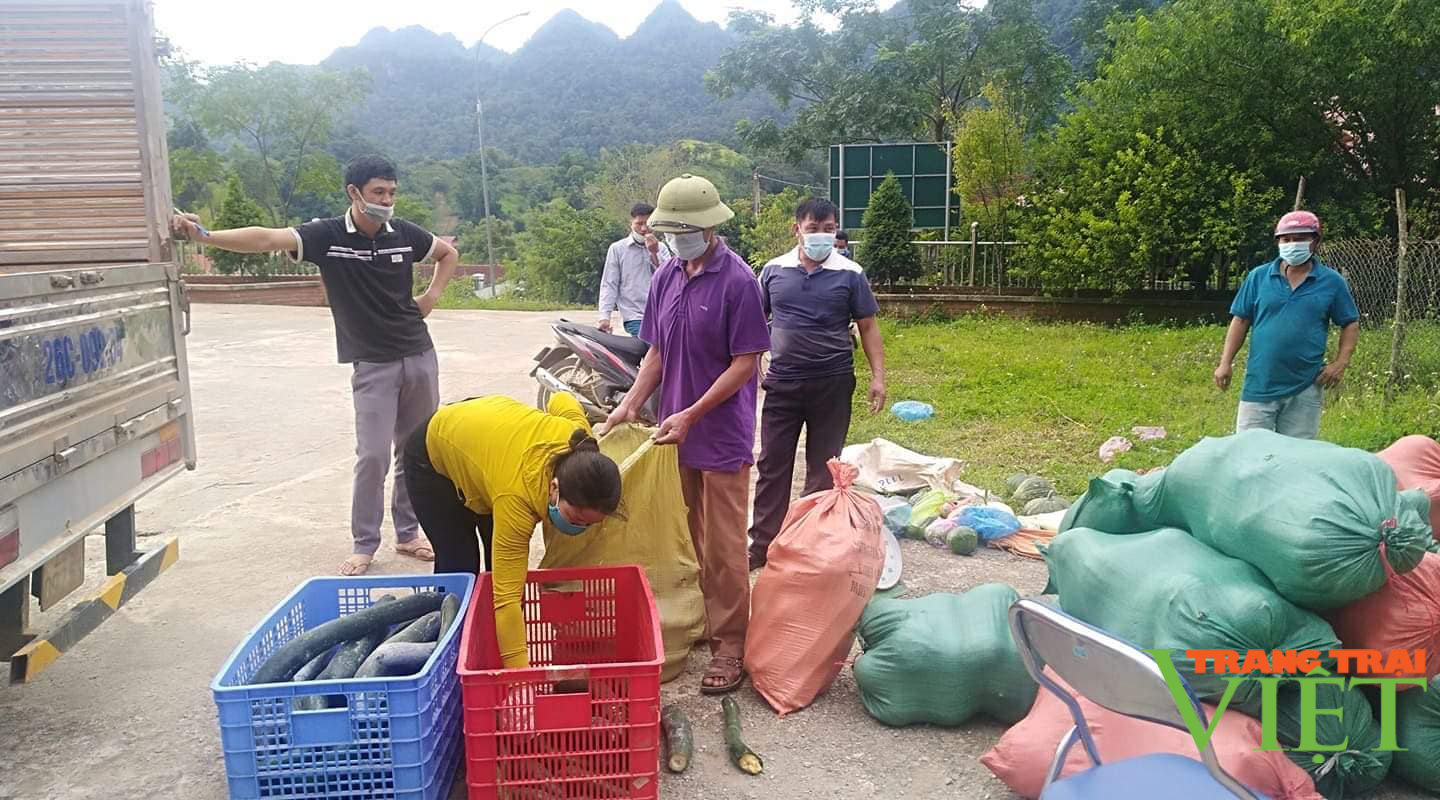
(574, 85)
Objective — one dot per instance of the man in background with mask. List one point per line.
(629, 263)
(812, 294)
(1290, 303)
(706, 330)
(366, 259)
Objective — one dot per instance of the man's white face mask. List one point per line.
(688, 246)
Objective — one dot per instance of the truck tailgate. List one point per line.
(94, 400)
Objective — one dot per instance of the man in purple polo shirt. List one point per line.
(706, 330)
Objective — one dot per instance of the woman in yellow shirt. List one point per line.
(495, 467)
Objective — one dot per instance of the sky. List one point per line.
(306, 31)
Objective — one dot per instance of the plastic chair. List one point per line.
(1122, 678)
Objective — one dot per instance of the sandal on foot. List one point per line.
(730, 670)
(355, 564)
(416, 548)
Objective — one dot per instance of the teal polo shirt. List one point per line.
(1289, 329)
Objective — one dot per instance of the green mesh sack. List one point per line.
(942, 659)
(1165, 589)
(1118, 502)
(1324, 523)
(1417, 729)
(1338, 774)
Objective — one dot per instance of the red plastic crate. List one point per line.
(583, 721)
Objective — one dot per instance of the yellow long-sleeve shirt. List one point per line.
(497, 452)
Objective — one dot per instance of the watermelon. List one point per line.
(962, 541)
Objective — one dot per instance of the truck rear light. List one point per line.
(9, 547)
(170, 450)
(9, 535)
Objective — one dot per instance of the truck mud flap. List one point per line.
(32, 659)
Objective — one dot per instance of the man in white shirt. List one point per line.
(625, 283)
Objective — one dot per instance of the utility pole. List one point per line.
(484, 173)
(755, 187)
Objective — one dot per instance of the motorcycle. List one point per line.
(598, 368)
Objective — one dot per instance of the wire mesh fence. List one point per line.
(1372, 268)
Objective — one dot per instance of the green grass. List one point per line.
(1014, 396)
(505, 303)
(459, 294)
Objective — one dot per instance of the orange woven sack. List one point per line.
(1403, 615)
(819, 574)
(1416, 461)
(1023, 755)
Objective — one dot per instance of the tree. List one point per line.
(1090, 28)
(413, 208)
(561, 252)
(991, 161)
(1152, 211)
(194, 176)
(516, 188)
(1342, 92)
(284, 115)
(635, 173)
(883, 75)
(473, 247)
(771, 233)
(888, 252)
(1376, 68)
(238, 210)
(632, 174)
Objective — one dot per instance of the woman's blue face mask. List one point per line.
(563, 525)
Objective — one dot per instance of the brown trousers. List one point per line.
(719, 503)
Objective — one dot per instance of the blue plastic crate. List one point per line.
(394, 738)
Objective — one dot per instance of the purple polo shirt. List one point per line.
(698, 325)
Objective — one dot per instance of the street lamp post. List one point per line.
(480, 136)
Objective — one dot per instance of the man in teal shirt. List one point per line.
(1290, 303)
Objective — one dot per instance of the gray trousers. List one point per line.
(392, 398)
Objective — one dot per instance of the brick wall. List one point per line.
(277, 290)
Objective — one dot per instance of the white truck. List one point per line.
(94, 384)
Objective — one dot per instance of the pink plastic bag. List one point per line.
(1114, 446)
(820, 572)
(1416, 461)
(1022, 756)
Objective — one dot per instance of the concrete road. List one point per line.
(128, 713)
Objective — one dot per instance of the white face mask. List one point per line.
(638, 237)
(688, 246)
(377, 212)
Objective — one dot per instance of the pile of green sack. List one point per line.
(1236, 546)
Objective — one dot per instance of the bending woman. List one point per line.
(492, 467)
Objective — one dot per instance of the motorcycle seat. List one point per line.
(628, 348)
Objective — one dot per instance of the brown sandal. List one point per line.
(731, 670)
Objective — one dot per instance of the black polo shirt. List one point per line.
(370, 284)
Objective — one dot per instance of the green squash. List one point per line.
(1033, 488)
(1046, 505)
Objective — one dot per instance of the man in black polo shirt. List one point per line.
(812, 294)
(366, 259)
